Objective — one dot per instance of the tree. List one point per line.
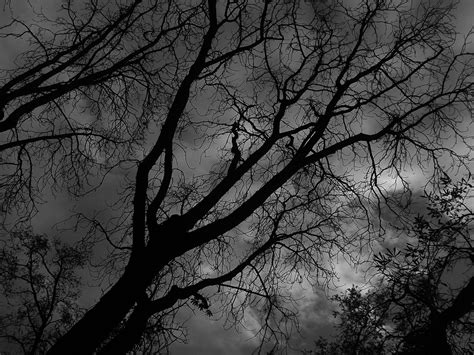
(40, 285)
(283, 102)
(420, 304)
(360, 330)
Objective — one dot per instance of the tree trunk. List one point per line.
(87, 335)
(130, 334)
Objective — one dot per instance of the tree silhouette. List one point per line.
(40, 284)
(295, 111)
(361, 327)
(420, 304)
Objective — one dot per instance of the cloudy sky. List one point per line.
(207, 335)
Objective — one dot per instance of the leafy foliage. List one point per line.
(421, 303)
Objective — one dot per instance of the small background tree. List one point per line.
(422, 303)
(40, 287)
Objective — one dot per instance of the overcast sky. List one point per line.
(207, 335)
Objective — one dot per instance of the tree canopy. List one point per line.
(420, 303)
(224, 152)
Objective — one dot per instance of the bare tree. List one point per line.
(290, 101)
(40, 285)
